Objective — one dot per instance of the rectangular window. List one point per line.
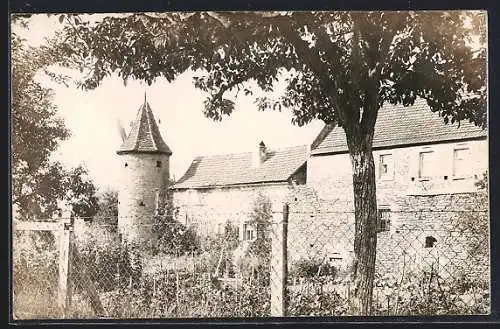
(384, 220)
(248, 232)
(386, 167)
(426, 164)
(460, 166)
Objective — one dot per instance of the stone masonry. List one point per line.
(142, 190)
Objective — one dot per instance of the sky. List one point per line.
(92, 118)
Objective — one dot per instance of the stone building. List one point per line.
(144, 175)
(425, 176)
(425, 180)
(220, 188)
(214, 190)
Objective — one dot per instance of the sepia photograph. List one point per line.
(249, 164)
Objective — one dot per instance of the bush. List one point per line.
(171, 236)
(256, 259)
(309, 267)
(316, 302)
(424, 293)
(213, 246)
(35, 275)
(109, 262)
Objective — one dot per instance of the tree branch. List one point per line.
(313, 61)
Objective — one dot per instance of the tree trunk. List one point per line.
(365, 207)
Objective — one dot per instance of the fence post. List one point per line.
(279, 265)
(65, 252)
(177, 291)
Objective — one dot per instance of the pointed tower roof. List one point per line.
(144, 137)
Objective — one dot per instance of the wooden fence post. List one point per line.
(177, 291)
(279, 265)
(65, 252)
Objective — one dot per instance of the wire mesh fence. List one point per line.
(419, 270)
(35, 274)
(185, 271)
(428, 263)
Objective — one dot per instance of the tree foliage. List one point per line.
(81, 193)
(107, 214)
(171, 236)
(336, 57)
(261, 220)
(38, 183)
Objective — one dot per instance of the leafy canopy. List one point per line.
(338, 66)
(39, 184)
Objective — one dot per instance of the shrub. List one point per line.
(424, 293)
(109, 262)
(316, 302)
(35, 275)
(214, 245)
(257, 257)
(171, 236)
(310, 267)
(482, 183)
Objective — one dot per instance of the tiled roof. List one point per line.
(233, 169)
(399, 126)
(144, 135)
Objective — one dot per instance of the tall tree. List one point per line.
(341, 67)
(81, 193)
(107, 215)
(39, 184)
(36, 132)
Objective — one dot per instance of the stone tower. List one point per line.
(144, 179)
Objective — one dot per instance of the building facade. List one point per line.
(426, 174)
(414, 152)
(224, 188)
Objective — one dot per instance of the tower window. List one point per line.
(158, 164)
(126, 164)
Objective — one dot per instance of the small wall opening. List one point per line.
(126, 164)
(158, 164)
(384, 220)
(429, 241)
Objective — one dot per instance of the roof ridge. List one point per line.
(233, 168)
(399, 125)
(148, 118)
(136, 124)
(250, 152)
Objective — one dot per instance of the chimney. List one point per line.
(259, 156)
(262, 152)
